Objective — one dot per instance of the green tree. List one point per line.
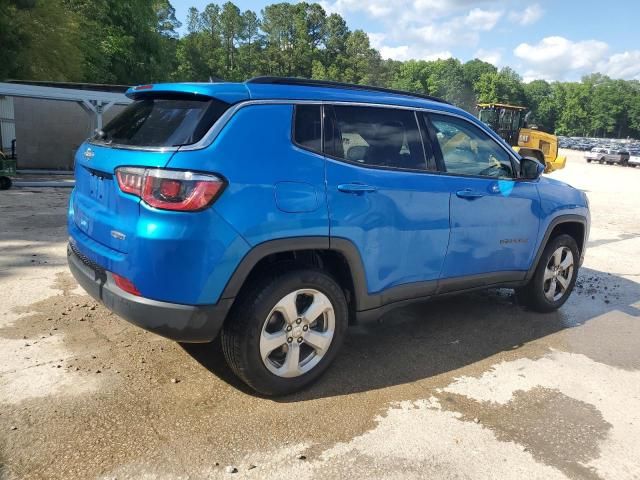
(39, 41)
(125, 42)
(279, 32)
(542, 104)
(473, 70)
(231, 28)
(137, 41)
(251, 42)
(364, 64)
(12, 38)
(504, 86)
(574, 113)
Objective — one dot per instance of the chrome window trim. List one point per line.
(119, 146)
(424, 150)
(209, 137)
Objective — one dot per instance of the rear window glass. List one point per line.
(162, 121)
(308, 127)
(383, 137)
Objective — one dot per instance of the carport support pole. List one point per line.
(95, 109)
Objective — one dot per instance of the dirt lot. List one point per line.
(468, 387)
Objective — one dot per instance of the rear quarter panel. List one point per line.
(275, 189)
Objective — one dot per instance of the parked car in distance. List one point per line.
(596, 155)
(276, 212)
(607, 155)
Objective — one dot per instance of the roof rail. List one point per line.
(328, 83)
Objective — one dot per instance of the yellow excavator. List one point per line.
(511, 123)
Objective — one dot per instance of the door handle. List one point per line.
(468, 193)
(356, 188)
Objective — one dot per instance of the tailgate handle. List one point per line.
(356, 188)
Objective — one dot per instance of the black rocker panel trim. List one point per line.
(364, 300)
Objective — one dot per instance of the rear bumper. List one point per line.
(182, 323)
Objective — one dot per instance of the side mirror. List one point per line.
(530, 168)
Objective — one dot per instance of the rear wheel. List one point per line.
(284, 333)
(555, 276)
(588, 160)
(5, 183)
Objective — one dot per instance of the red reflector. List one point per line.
(170, 188)
(143, 87)
(125, 284)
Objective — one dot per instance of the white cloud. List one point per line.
(623, 65)
(478, 19)
(422, 29)
(434, 40)
(558, 58)
(374, 8)
(425, 9)
(491, 56)
(405, 52)
(554, 50)
(431, 29)
(528, 16)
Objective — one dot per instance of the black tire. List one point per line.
(532, 295)
(243, 328)
(588, 160)
(5, 183)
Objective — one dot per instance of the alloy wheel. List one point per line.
(297, 333)
(558, 274)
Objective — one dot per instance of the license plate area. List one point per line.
(98, 185)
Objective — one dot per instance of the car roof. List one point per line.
(233, 92)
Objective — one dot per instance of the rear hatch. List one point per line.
(145, 134)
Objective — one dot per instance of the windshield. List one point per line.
(163, 121)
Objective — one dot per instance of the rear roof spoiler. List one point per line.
(224, 91)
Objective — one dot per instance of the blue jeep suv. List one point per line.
(277, 211)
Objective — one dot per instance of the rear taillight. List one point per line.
(130, 179)
(125, 284)
(170, 189)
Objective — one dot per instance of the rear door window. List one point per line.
(307, 127)
(162, 121)
(372, 136)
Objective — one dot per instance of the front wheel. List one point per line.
(5, 183)
(555, 276)
(284, 333)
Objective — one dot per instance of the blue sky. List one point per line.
(560, 40)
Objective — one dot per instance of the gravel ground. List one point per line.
(467, 387)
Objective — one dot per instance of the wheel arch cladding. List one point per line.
(570, 224)
(340, 259)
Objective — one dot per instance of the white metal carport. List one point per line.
(49, 127)
(94, 102)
